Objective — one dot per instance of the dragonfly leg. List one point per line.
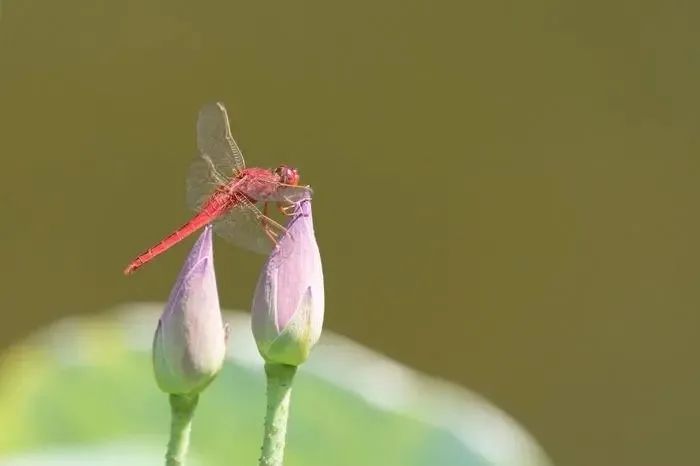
(263, 219)
(269, 226)
(269, 232)
(266, 225)
(287, 210)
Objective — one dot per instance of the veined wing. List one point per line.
(245, 226)
(219, 156)
(215, 143)
(289, 194)
(201, 183)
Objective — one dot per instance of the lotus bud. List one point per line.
(287, 310)
(190, 342)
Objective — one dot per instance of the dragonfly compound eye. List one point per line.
(288, 175)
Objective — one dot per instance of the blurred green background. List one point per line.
(504, 191)
(54, 387)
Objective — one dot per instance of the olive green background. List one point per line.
(505, 192)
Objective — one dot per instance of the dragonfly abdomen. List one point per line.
(212, 209)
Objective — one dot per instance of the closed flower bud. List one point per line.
(190, 341)
(287, 310)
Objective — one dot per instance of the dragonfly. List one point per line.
(231, 196)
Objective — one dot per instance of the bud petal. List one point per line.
(190, 342)
(288, 306)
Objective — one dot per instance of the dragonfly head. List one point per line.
(288, 175)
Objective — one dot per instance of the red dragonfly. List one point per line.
(222, 190)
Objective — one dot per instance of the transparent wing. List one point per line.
(245, 226)
(289, 194)
(219, 156)
(215, 142)
(201, 183)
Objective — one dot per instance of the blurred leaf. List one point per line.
(83, 391)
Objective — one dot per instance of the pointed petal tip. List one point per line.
(203, 246)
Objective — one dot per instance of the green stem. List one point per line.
(279, 390)
(182, 410)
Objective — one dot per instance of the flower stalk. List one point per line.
(189, 345)
(182, 409)
(287, 317)
(279, 391)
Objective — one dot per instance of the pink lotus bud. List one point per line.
(190, 341)
(287, 311)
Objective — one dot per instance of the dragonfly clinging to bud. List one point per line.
(223, 191)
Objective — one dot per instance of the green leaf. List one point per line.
(83, 392)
